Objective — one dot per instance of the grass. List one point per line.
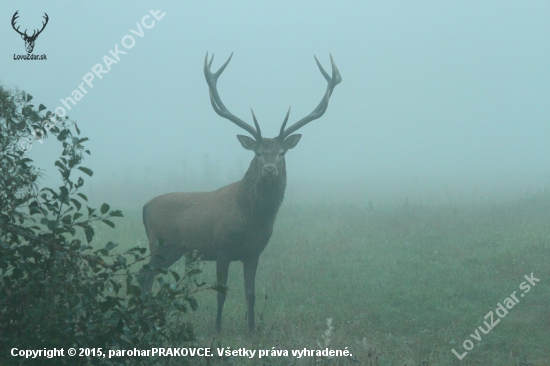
(402, 285)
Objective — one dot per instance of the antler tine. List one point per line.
(322, 106)
(217, 104)
(44, 23)
(284, 122)
(13, 19)
(321, 67)
(256, 123)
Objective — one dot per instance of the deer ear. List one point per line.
(247, 142)
(292, 140)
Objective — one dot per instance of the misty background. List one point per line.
(440, 101)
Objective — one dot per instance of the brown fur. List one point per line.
(233, 223)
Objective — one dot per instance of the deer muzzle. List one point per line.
(270, 170)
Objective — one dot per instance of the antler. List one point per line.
(217, 104)
(35, 34)
(321, 108)
(13, 19)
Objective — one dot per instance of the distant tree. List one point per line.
(56, 289)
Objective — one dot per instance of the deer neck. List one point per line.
(261, 197)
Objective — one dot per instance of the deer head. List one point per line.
(29, 40)
(269, 151)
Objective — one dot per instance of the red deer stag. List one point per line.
(235, 222)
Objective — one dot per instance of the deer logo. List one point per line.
(29, 40)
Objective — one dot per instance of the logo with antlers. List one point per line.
(29, 40)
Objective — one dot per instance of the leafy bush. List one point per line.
(56, 289)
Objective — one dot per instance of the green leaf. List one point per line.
(116, 286)
(194, 272)
(34, 208)
(71, 230)
(175, 275)
(116, 213)
(83, 196)
(90, 211)
(63, 135)
(161, 270)
(60, 165)
(136, 290)
(86, 170)
(110, 245)
(29, 97)
(104, 208)
(120, 325)
(193, 303)
(220, 288)
(77, 204)
(41, 107)
(63, 192)
(52, 224)
(109, 222)
(121, 260)
(104, 306)
(16, 274)
(89, 231)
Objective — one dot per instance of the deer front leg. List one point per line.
(249, 270)
(222, 270)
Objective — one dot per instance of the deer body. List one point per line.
(235, 222)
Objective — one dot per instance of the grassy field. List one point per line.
(403, 285)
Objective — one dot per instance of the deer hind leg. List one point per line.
(249, 270)
(161, 257)
(222, 270)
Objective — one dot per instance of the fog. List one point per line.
(440, 101)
